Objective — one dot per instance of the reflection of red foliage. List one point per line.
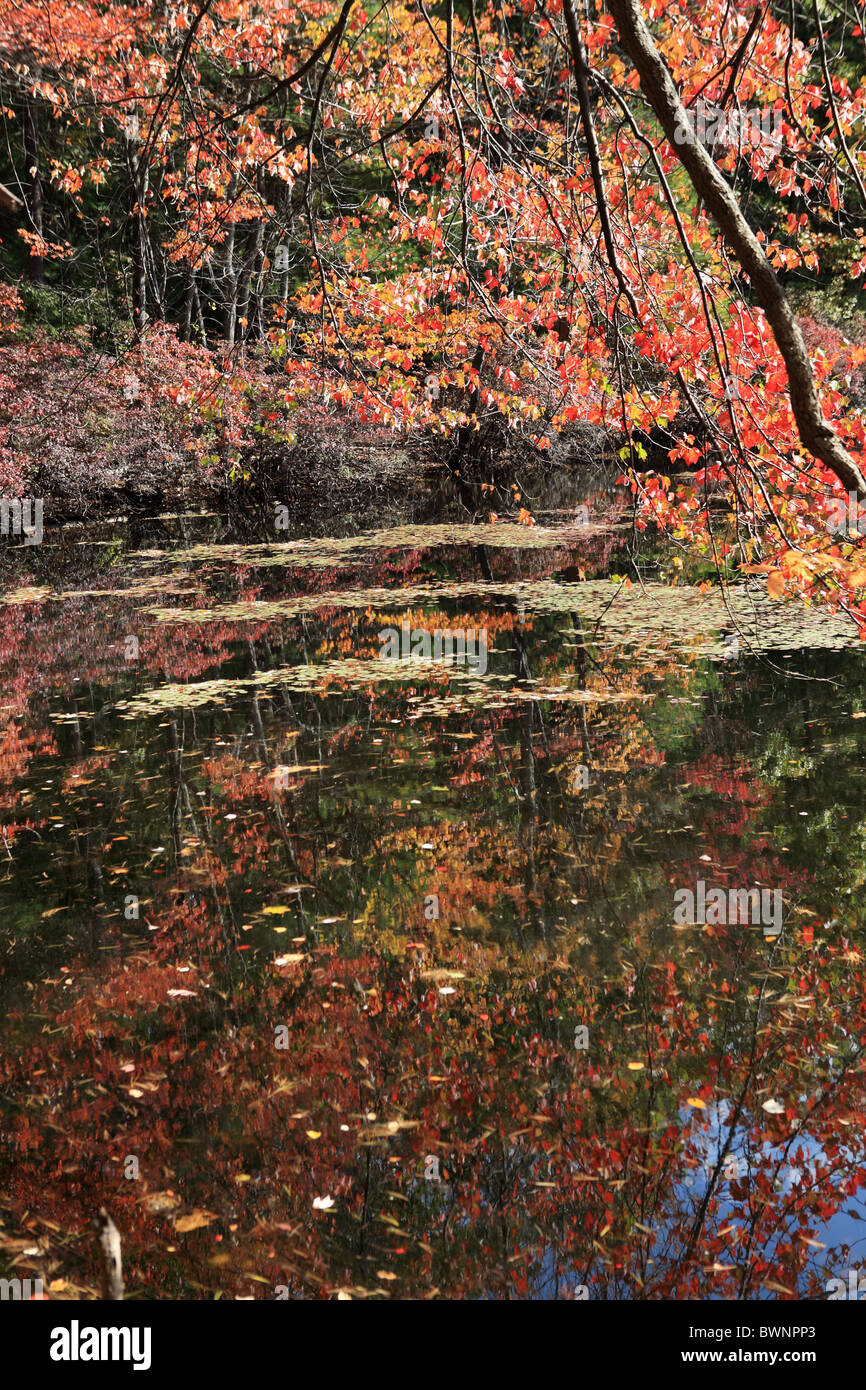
(161, 1041)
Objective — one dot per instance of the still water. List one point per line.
(336, 972)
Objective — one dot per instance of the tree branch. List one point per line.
(657, 85)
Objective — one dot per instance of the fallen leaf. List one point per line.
(157, 1203)
(194, 1220)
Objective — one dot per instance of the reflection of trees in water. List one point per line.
(555, 911)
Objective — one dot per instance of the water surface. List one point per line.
(335, 976)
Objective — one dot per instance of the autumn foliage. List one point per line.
(267, 212)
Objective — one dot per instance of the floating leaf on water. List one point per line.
(318, 552)
(773, 1107)
(194, 1220)
(32, 594)
(158, 1203)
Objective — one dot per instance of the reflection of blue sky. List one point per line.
(706, 1134)
(793, 1164)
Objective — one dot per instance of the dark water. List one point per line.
(338, 976)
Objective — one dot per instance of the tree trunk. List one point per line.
(33, 184)
(247, 297)
(187, 308)
(230, 275)
(138, 191)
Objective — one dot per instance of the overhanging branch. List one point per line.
(657, 85)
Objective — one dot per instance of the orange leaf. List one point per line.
(775, 584)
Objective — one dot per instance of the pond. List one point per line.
(443, 908)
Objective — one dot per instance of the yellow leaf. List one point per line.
(194, 1220)
(635, 1066)
(696, 1103)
